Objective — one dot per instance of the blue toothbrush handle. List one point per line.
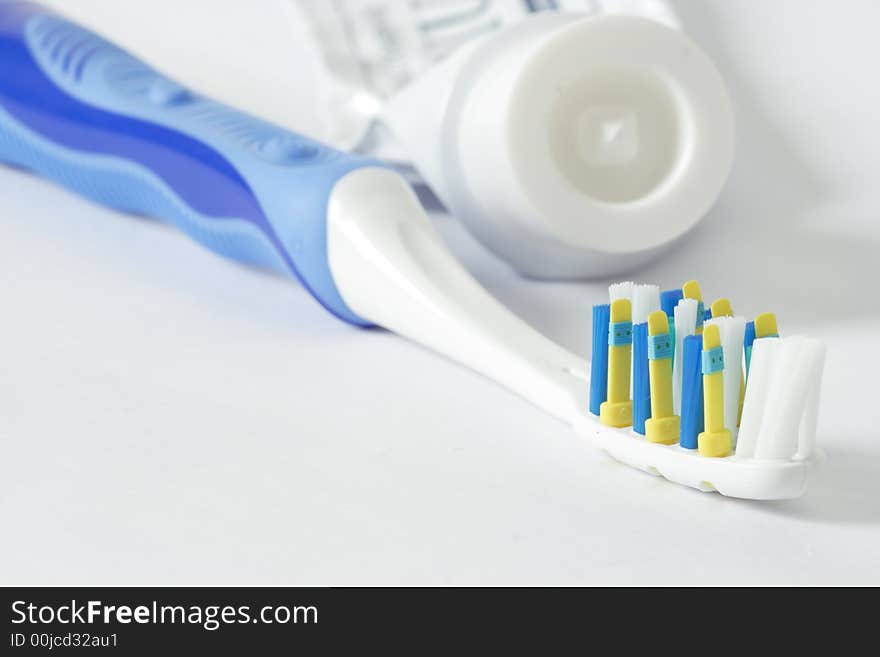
(82, 112)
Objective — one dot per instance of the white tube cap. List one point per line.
(574, 147)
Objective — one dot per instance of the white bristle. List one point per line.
(646, 300)
(732, 331)
(620, 291)
(787, 426)
(762, 368)
(781, 399)
(807, 437)
(685, 325)
(779, 428)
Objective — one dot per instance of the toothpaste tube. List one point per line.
(372, 49)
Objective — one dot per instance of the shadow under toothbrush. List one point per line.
(843, 490)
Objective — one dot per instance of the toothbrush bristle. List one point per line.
(669, 300)
(691, 290)
(712, 337)
(646, 300)
(685, 319)
(692, 412)
(765, 325)
(750, 334)
(658, 323)
(732, 331)
(621, 311)
(722, 308)
(620, 291)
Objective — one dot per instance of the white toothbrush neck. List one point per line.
(393, 269)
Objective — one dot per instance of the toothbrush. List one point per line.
(83, 113)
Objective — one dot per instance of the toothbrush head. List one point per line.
(756, 440)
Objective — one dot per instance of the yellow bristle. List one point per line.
(664, 426)
(721, 308)
(617, 411)
(766, 326)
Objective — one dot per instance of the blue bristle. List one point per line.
(669, 300)
(707, 315)
(641, 380)
(750, 335)
(747, 345)
(691, 391)
(599, 372)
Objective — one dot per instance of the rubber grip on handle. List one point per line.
(84, 113)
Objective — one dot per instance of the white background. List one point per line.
(167, 417)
